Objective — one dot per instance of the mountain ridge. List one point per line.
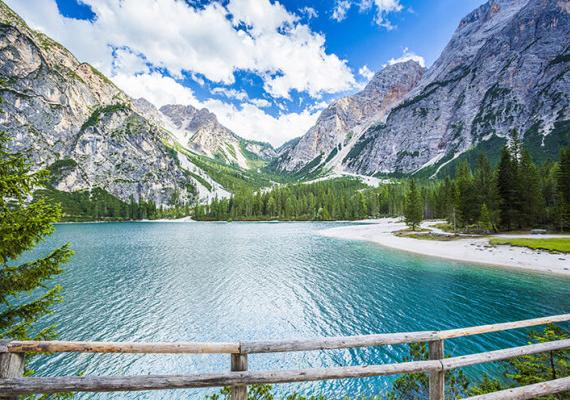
(498, 72)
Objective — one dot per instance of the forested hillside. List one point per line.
(516, 194)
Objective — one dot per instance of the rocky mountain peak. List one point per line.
(505, 67)
(341, 123)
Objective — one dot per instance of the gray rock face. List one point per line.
(507, 66)
(341, 123)
(200, 131)
(62, 112)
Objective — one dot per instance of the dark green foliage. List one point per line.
(519, 186)
(311, 169)
(545, 148)
(535, 368)
(413, 206)
(563, 177)
(261, 392)
(326, 200)
(202, 181)
(507, 190)
(60, 168)
(331, 154)
(531, 369)
(359, 146)
(25, 291)
(491, 149)
(96, 115)
(232, 177)
(98, 204)
(416, 385)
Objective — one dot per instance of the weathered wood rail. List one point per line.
(239, 378)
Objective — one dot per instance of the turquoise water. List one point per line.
(227, 282)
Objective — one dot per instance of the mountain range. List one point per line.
(506, 66)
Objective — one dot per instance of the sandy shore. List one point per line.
(468, 250)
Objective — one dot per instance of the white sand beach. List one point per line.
(468, 250)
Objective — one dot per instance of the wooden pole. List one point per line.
(239, 364)
(11, 366)
(560, 385)
(436, 378)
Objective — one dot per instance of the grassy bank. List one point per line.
(561, 245)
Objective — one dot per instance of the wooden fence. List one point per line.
(12, 383)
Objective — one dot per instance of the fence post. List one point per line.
(11, 366)
(436, 378)
(239, 363)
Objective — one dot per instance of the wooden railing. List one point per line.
(13, 384)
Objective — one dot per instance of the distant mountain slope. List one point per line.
(507, 66)
(200, 131)
(339, 126)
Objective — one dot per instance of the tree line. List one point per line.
(336, 199)
(98, 204)
(516, 194)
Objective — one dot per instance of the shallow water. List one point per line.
(245, 281)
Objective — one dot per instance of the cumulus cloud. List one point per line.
(214, 41)
(148, 46)
(251, 122)
(247, 120)
(408, 55)
(156, 88)
(365, 72)
(381, 10)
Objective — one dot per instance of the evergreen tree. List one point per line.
(413, 209)
(506, 190)
(24, 292)
(563, 185)
(531, 202)
(485, 221)
(485, 185)
(467, 205)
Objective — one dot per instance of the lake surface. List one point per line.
(244, 281)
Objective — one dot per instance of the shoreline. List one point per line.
(466, 250)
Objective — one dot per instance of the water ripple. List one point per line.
(214, 282)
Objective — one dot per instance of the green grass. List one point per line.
(561, 245)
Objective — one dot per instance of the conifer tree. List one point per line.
(485, 220)
(563, 185)
(413, 208)
(531, 200)
(505, 187)
(23, 224)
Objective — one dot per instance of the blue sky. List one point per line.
(265, 68)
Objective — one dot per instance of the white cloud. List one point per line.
(262, 103)
(131, 40)
(365, 72)
(127, 62)
(340, 10)
(231, 93)
(156, 88)
(251, 122)
(408, 55)
(381, 9)
(248, 120)
(169, 34)
(309, 12)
